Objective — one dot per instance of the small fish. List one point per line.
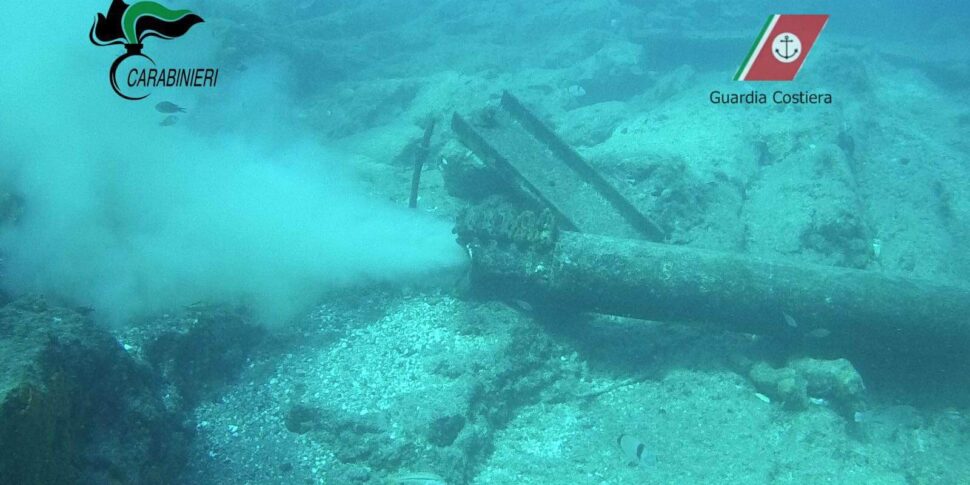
(415, 478)
(84, 310)
(789, 320)
(819, 333)
(166, 107)
(521, 305)
(635, 451)
(169, 120)
(576, 91)
(898, 416)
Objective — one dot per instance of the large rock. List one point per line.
(75, 407)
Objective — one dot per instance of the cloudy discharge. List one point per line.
(131, 218)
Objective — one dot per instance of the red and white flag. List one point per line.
(779, 52)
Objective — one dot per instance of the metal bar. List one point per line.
(541, 132)
(531, 157)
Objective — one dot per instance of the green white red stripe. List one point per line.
(781, 48)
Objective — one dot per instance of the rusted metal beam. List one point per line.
(530, 157)
(640, 279)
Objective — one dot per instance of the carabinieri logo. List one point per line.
(130, 25)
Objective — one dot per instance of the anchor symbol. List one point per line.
(787, 55)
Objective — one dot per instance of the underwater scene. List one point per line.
(484, 242)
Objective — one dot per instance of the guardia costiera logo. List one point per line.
(133, 75)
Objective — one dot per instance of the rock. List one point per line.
(783, 385)
(833, 381)
(203, 350)
(75, 407)
(445, 429)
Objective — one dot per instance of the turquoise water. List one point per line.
(255, 273)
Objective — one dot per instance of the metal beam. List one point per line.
(640, 279)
